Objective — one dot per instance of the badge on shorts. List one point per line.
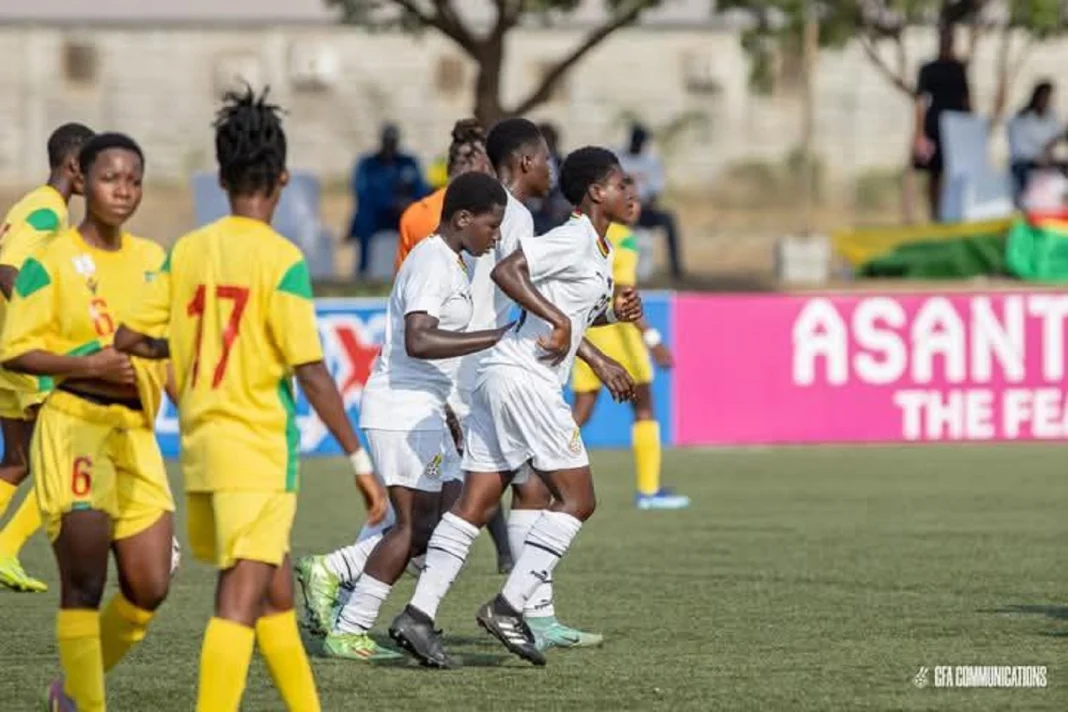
(433, 468)
(575, 446)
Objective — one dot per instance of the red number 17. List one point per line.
(197, 306)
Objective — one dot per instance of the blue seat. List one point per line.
(297, 216)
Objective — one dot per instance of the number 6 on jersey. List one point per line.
(198, 306)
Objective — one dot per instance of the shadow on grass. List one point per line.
(1059, 613)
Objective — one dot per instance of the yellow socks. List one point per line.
(224, 661)
(280, 645)
(7, 493)
(645, 439)
(122, 626)
(26, 520)
(78, 634)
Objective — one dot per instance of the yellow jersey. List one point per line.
(32, 221)
(67, 299)
(625, 255)
(234, 299)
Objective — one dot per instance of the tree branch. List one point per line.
(544, 90)
(444, 20)
(896, 79)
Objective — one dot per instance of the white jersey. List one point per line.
(492, 306)
(406, 393)
(572, 267)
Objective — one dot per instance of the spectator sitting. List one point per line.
(385, 183)
(648, 174)
(552, 210)
(1032, 135)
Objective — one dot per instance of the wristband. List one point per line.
(652, 338)
(361, 462)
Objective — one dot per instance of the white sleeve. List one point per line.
(553, 255)
(426, 288)
(518, 223)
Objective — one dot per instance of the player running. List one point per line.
(98, 472)
(404, 402)
(563, 282)
(235, 304)
(31, 222)
(630, 345)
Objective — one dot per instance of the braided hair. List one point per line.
(250, 145)
(468, 140)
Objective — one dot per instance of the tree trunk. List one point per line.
(490, 58)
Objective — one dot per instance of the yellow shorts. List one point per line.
(19, 405)
(620, 342)
(226, 526)
(109, 463)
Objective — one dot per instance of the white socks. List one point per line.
(361, 610)
(347, 563)
(548, 540)
(520, 522)
(445, 556)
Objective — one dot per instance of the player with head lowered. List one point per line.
(233, 307)
(98, 472)
(563, 283)
(402, 410)
(30, 223)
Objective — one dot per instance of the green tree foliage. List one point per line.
(485, 46)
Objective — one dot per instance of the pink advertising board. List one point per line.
(870, 368)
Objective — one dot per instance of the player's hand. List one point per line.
(557, 344)
(111, 366)
(374, 498)
(662, 356)
(627, 304)
(615, 378)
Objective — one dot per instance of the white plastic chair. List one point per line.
(972, 189)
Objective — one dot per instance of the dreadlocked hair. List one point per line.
(468, 138)
(250, 145)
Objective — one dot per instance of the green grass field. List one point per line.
(802, 579)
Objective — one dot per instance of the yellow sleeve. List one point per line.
(291, 319)
(25, 237)
(32, 313)
(151, 314)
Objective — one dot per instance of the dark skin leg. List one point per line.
(241, 591)
(481, 496)
(572, 492)
(934, 194)
(81, 551)
(144, 564)
(279, 598)
(14, 468)
(417, 514)
(642, 404)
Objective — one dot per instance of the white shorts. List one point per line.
(420, 459)
(516, 419)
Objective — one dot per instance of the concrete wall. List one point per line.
(160, 86)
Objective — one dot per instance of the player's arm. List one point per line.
(291, 321)
(423, 338)
(654, 341)
(20, 241)
(142, 330)
(608, 371)
(513, 276)
(626, 306)
(322, 394)
(8, 274)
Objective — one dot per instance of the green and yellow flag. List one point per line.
(1037, 249)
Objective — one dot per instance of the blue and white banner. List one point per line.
(352, 331)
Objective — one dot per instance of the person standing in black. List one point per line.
(942, 86)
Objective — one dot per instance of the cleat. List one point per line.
(551, 633)
(414, 632)
(56, 699)
(505, 564)
(663, 499)
(319, 587)
(357, 646)
(506, 625)
(13, 576)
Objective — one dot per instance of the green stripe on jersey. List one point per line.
(165, 268)
(289, 405)
(86, 349)
(33, 277)
(297, 281)
(43, 220)
(629, 243)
